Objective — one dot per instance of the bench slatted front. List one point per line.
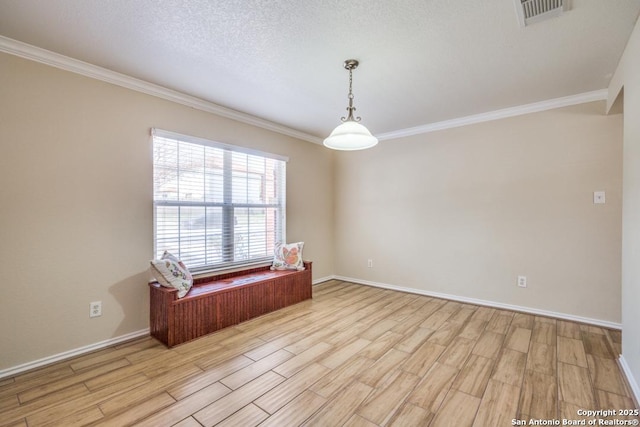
(223, 300)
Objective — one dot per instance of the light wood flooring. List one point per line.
(352, 356)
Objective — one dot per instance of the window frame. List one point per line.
(227, 205)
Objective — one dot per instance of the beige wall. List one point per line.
(628, 76)
(465, 211)
(460, 212)
(76, 218)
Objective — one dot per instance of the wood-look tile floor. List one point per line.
(352, 356)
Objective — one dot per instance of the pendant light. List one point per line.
(350, 135)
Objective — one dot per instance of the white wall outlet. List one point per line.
(598, 197)
(95, 309)
(522, 281)
(370, 263)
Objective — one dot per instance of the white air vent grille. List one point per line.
(532, 11)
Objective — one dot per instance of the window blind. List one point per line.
(216, 205)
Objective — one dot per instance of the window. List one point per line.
(216, 205)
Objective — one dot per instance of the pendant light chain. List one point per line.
(350, 108)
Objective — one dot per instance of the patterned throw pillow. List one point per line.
(172, 273)
(288, 256)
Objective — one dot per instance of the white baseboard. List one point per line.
(15, 370)
(564, 316)
(71, 353)
(102, 344)
(633, 384)
(322, 280)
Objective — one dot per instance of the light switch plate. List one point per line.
(598, 197)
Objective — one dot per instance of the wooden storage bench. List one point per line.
(222, 300)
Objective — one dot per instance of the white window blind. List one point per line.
(216, 205)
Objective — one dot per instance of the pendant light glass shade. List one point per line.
(350, 136)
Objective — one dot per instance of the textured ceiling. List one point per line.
(421, 61)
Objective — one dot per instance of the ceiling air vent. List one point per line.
(532, 11)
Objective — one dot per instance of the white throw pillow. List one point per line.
(172, 273)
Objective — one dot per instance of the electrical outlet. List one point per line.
(522, 281)
(599, 198)
(370, 263)
(95, 309)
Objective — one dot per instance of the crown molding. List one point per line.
(57, 60)
(596, 95)
(66, 63)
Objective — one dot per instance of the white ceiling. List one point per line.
(421, 61)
